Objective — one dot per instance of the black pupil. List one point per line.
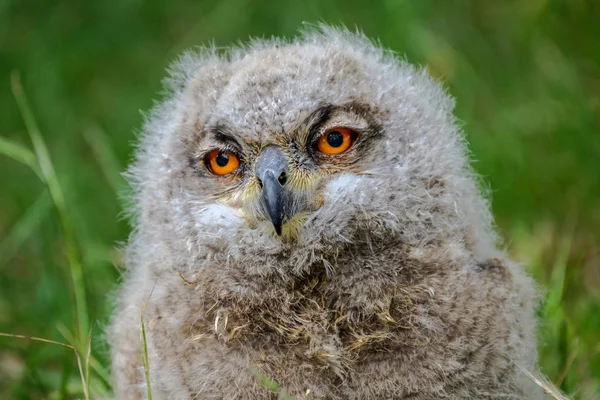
(335, 139)
(222, 159)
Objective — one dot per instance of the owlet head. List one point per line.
(297, 147)
(276, 179)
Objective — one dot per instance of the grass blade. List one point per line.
(24, 227)
(108, 161)
(272, 385)
(94, 364)
(145, 358)
(545, 384)
(68, 346)
(88, 355)
(51, 180)
(20, 154)
(65, 375)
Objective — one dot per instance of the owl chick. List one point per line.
(306, 225)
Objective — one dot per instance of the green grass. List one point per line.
(525, 75)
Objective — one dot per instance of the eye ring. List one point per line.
(221, 162)
(336, 141)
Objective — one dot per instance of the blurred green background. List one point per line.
(525, 73)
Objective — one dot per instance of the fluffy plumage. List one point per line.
(385, 284)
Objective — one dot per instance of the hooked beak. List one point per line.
(271, 170)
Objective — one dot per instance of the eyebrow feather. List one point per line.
(319, 117)
(221, 133)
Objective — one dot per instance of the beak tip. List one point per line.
(277, 229)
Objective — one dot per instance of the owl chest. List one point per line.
(312, 327)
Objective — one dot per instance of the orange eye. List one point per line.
(336, 141)
(221, 162)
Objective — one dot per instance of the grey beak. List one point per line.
(271, 171)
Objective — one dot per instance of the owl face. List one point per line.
(291, 152)
(276, 181)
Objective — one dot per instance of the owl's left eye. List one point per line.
(336, 141)
(221, 162)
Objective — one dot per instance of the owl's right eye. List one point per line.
(221, 162)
